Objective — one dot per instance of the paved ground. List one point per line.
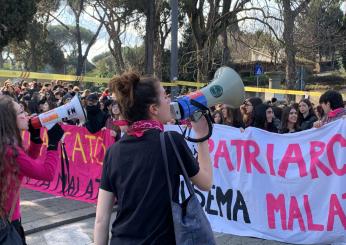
(50, 220)
(81, 233)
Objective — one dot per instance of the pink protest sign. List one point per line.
(85, 152)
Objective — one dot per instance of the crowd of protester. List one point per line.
(103, 111)
(35, 98)
(147, 109)
(279, 116)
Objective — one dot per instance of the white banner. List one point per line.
(289, 187)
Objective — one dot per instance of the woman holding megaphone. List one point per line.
(16, 162)
(134, 173)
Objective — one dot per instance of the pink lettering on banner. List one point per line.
(270, 154)
(315, 161)
(250, 156)
(331, 156)
(294, 213)
(223, 152)
(293, 155)
(85, 152)
(309, 216)
(238, 144)
(296, 210)
(276, 205)
(335, 209)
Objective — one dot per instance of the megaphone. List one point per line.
(71, 110)
(226, 88)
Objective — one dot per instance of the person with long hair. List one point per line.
(289, 120)
(218, 117)
(264, 118)
(247, 110)
(306, 115)
(133, 170)
(114, 117)
(15, 162)
(232, 116)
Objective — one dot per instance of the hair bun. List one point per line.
(123, 86)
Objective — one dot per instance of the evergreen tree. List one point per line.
(15, 16)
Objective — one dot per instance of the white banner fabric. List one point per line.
(284, 187)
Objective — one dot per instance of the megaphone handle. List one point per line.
(210, 127)
(199, 105)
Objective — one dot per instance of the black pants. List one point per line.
(18, 225)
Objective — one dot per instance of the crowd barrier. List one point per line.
(284, 187)
(46, 76)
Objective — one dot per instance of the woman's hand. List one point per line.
(317, 124)
(201, 127)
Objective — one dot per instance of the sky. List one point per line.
(129, 38)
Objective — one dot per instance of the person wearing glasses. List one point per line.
(264, 118)
(17, 162)
(247, 110)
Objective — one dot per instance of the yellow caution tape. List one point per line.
(47, 76)
(282, 91)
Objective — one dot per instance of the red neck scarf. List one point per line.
(335, 112)
(120, 123)
(138, 128)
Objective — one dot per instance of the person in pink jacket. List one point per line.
(16, 162)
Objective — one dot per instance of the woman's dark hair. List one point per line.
(220, 114)
(320, 111)
(107, 103)
(284, 120)
(277, 111)
(260, 116)
(255, 101)
(9, 138)
(249, 119)
(311, 110)
(25, 105)
(237, 121)
(135, 94)
(33, 103)
(334, 98)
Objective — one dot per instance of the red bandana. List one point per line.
(335, 112)
(138, 128)
(120, 123)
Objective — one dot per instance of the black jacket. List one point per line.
(308, 122)
(95, 122)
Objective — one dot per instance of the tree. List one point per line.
(209, 19)
(133, 59)
(36, 51)
(66, 38)
(291, 9)
(319, 33)
(162, 17)
(15, 16)
(115, 22)
(149, 9)
(78, 8)
(33, 46)
(187, 69)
